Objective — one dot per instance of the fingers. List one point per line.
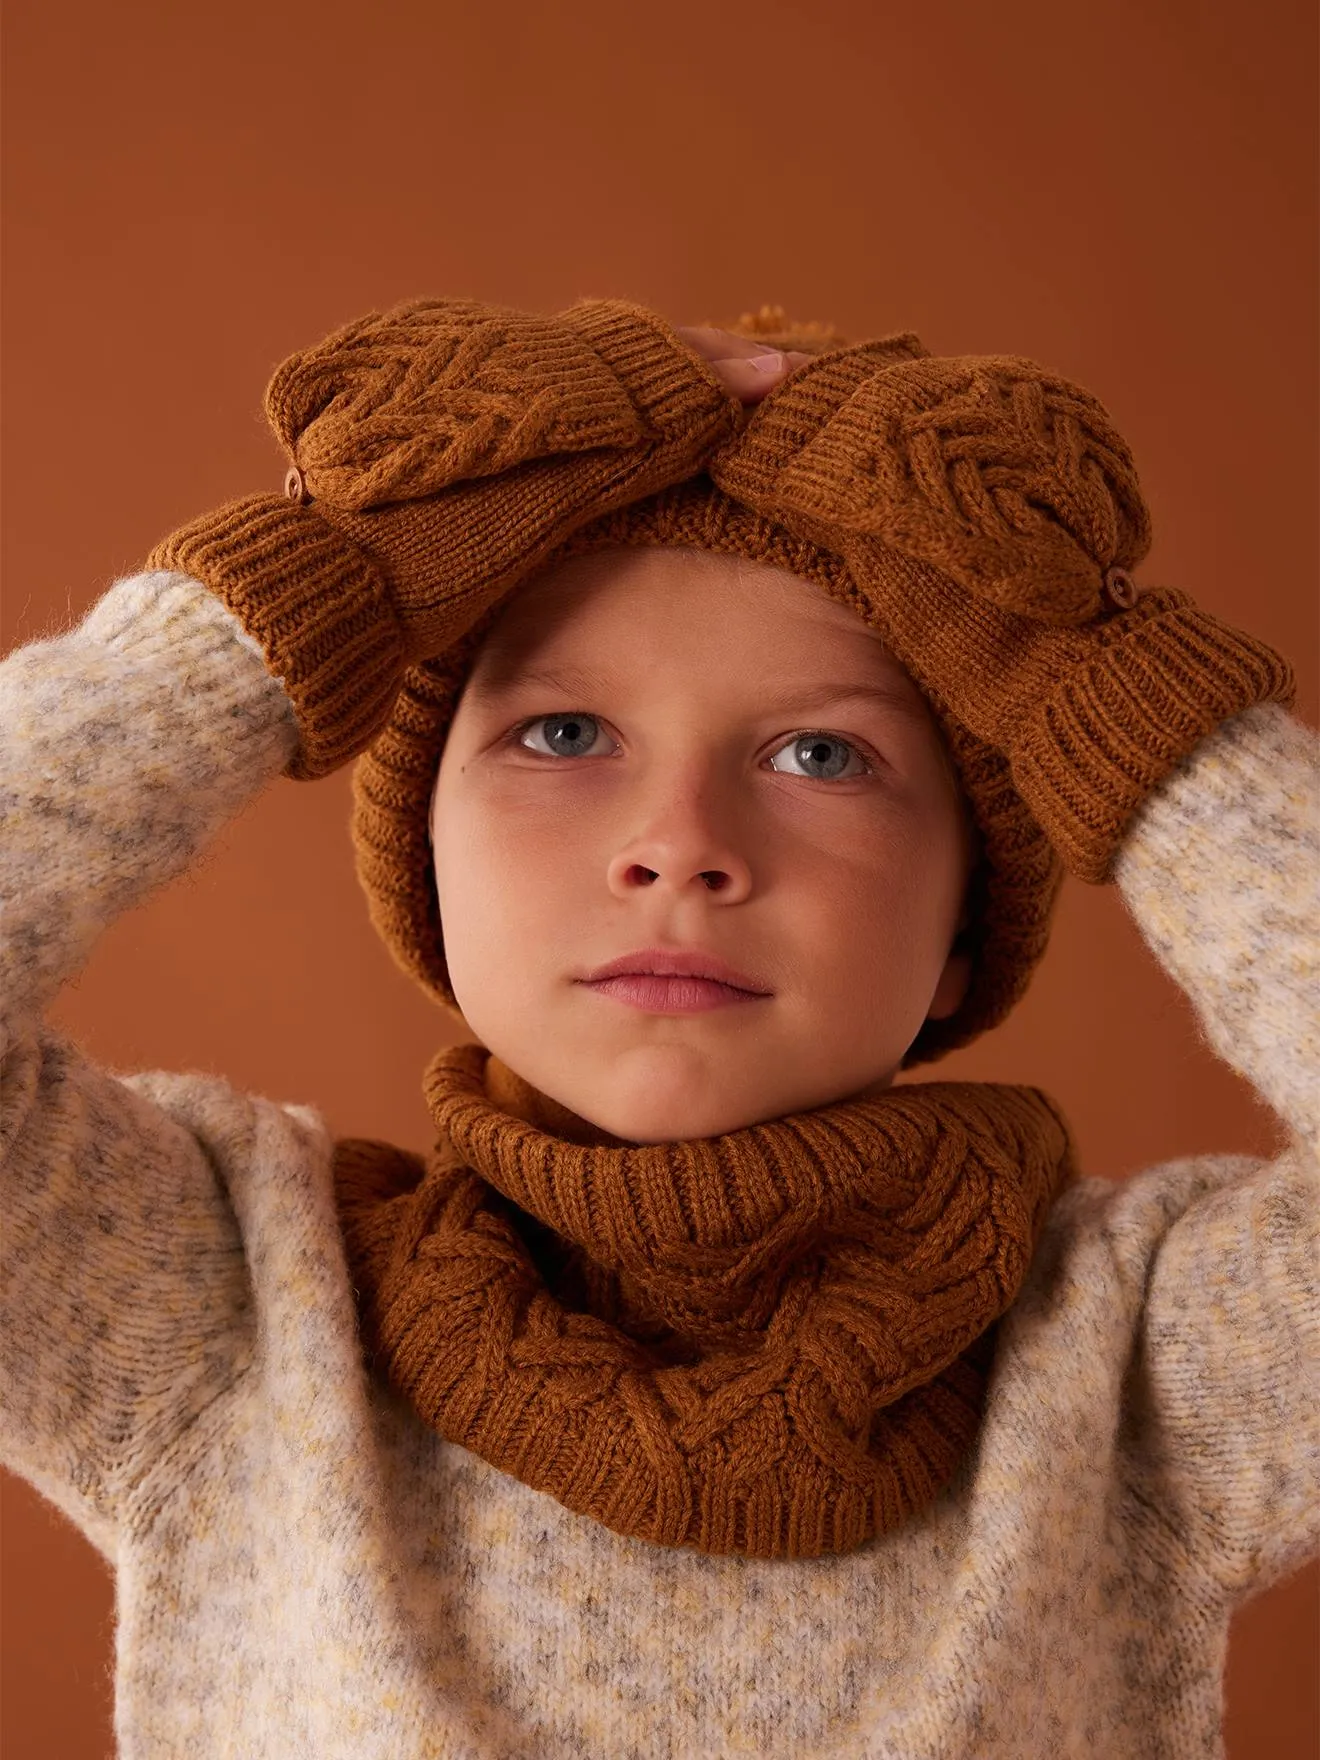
(719, 344)
(746, 366)
(750, 377)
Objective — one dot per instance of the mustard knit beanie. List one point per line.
(1016, 874)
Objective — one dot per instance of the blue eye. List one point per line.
(572, 736)
(565, 736)
(822, 756)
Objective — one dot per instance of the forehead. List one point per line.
(689, 604)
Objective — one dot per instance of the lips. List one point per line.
(677, 963)
(652, 994)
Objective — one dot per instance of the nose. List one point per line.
(687, 845)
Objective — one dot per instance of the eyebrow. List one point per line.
(894, 694)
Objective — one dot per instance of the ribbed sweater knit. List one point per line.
(305, 1569)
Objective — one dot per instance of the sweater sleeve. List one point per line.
(1221, 871)
(125, 744)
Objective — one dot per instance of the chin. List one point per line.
(653, 1120)
(651, 1116)
(643, 1124)
(645, 1131)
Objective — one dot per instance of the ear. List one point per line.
(951, 988)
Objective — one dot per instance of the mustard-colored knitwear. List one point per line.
(440, 451)
(982, 513)
(304, 1567)
(989, 514)
(772, 1342)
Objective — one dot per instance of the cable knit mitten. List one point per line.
(440, 450)
(990, 514)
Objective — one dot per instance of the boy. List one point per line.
(701, 1393)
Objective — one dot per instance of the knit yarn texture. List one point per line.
(1015, 875)
(774, 1342)
(979, 512)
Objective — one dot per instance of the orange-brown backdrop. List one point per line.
(1125, 191)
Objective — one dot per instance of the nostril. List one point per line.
(644, 875)
(714, 879)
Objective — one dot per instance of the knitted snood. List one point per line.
(774, 1342)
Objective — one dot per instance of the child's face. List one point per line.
(625, 771)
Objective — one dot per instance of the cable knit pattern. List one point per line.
(971, 462)
(772, 1342)
(442, 448)
(398, 405)
(989, 513)
(304, 1569)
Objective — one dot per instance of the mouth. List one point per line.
(666, 981)
(656, 994)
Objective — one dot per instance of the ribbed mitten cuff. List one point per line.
(1162, 678)
(318, 606)
(672, 388)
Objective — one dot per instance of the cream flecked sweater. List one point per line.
(304, 1569)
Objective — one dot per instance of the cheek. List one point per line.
(852, 909)
(480, 833)
(522, 821)
(873, 905)
(502, 871)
